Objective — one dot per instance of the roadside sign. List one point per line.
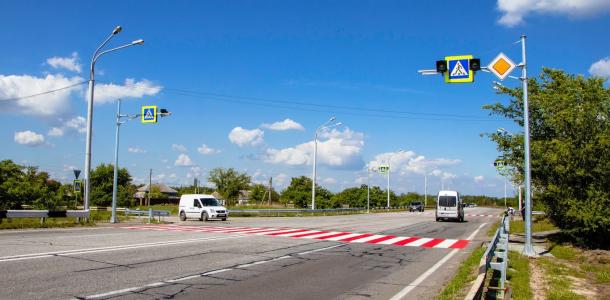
(77, 186)
(383, 169)
(149, 114)
(501, 66)
(499, 164)
(458, 69)
(76, 173)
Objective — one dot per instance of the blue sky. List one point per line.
(248, 83)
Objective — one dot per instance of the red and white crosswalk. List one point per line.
(431, 213)
(336, 236)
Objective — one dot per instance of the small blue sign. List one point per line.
(458, 69)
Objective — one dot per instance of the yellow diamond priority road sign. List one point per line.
(501, 66)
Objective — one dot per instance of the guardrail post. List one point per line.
(42, 221)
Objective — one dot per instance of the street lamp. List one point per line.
(162, 113)
(389, 171)
(327, 125)
(96, 55)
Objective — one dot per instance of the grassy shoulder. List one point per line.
(517, 226)
(467, 272)
(518, 276)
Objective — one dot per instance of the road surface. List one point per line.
(375, 256)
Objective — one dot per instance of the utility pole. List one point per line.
(149, 187)
(425, 189)
(505, 193)
(270, 188)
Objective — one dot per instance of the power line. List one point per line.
(45, 92)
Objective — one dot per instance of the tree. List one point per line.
(299, 193)
(259, 193)
(229, 182)
(20, 185)
(101, 185)
(570, 156)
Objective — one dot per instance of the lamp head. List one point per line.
(332, 119)
(138, 42)
(117, 30)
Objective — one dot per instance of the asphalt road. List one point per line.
(183, 262)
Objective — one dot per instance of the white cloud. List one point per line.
(55, 131)
(183, 160)
(515, 10)
(479, 179)
(204, 149)
(135, 150)
(131, 89)
(29, 138)
(408, 162)
(178, 148)
(443, 175)
(68, 63)
(287, 124)
(242, 137)
(17, 86)
(339, 149)
(601, 67)
(329, 180)
(68, 168)
(74, 125)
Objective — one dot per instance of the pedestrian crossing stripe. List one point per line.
(459, 69)
(149, 114)
(313, 234)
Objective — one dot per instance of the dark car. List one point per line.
(416, 206)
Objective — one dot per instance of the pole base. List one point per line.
(529, 251)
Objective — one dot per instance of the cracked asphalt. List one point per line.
(118, 263)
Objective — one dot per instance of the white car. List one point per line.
(202, 207)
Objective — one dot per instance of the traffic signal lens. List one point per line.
(475, 64)
(441, 66)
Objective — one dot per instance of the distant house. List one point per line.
(243, 197)
(218, 197)
(172, 195)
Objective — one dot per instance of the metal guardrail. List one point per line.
(498, 249)
(150, 213)
(292, 210)
(42, 214)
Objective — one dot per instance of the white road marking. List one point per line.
(368, 238)
(111, 248)
(393, 240)
(445, 244)
(422, 277)
(170, 281)
(419, 242)
(341, 237)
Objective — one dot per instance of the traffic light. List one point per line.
(475, 64)
(441, 66)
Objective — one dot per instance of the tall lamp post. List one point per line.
(389, 171)
(96, 55)
(162, 113)
(327, 125)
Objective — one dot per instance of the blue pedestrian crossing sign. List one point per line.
(149, 114)
(458, 69)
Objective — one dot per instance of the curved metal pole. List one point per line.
(96, 55)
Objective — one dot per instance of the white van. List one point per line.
(202, 207)
(449, 206)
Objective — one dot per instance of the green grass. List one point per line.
(465, 274)
(538, 225)
(559, 287)
(492, 229)
(564, 252)
(23, 223)
(519, 276)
